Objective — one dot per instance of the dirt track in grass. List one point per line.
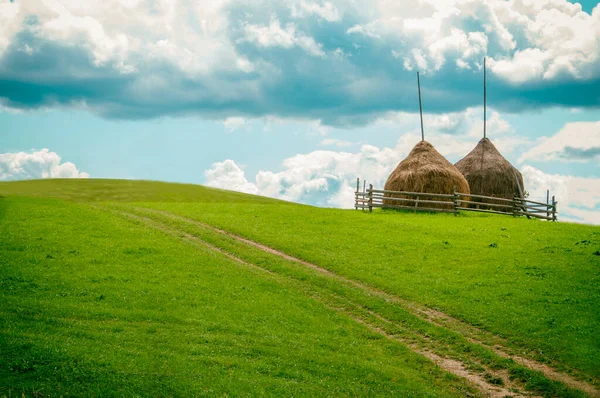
(479, 380)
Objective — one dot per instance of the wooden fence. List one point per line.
(371, 198)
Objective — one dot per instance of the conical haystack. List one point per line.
(489, 173)
(425, 170)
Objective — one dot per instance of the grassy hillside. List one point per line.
(121, 287)
(98, 190)
(534, 282)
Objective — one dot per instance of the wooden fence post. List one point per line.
(356, 193)
(364, 193)
(547, 203)
(455, 200)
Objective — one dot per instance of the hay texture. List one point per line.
(489, 173)
(425, 170)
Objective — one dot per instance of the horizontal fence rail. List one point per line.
(371, 198)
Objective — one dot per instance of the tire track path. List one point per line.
(436, 318)
(449, 365)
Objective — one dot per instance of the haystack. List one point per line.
(425, 170)
(489, 173)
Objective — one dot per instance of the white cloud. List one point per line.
(326, 11)
(9, 22)
(172, 57)
(578, 197)
(455, 134)
(525, 65)
(128, 34)
(228, 175)
(468, 122)
(430, 32)
(233, 123)
(528, 40)
(37, 164)
(8, 109)
(366, 29)
(274, 35)
(575, 142)
(324, 178)
(496, 125)
(343, 198)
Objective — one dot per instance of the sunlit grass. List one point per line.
(536, 283)
(94, 304)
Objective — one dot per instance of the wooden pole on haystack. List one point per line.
(420, 107)
(484, 101)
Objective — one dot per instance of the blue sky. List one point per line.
(180, 149)
(587, 5)
(296, 98)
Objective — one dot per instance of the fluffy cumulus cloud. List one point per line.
(322, 178)
(228, 175)
(274, 35)
(36, 164)
(340, 61)
(578, 197)
(527, 41)
(575, 142)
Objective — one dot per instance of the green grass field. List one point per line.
(113, 288)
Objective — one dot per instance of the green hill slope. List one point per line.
(136, 287)
(98, 190)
